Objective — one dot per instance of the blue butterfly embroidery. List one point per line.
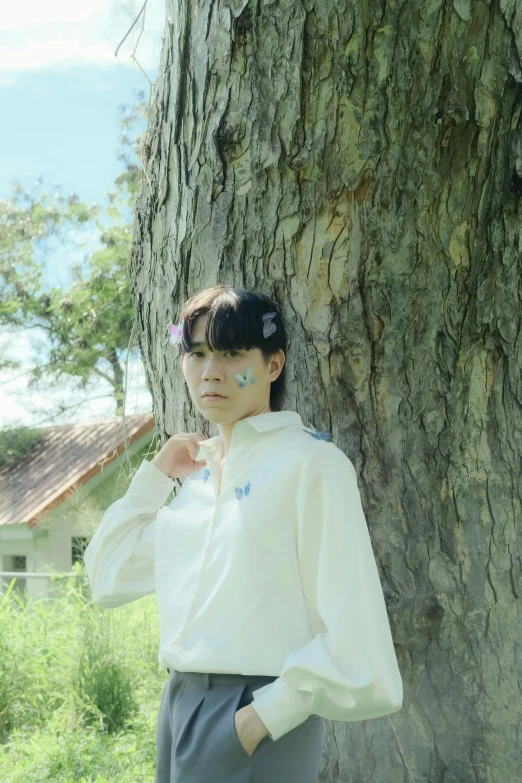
(317, 433)
(244, 378)
(240, 492)
(206, 474)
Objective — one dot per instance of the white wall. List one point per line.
(48, 546)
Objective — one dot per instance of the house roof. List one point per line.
(67, 456)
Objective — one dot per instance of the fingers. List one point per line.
(193, 448)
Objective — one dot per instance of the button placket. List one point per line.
(211, 457)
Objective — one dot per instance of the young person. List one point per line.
(272, 614)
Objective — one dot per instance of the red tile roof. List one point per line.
(67, 456)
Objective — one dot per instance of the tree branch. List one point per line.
(32, 369)
(104, 376)
(68, 407)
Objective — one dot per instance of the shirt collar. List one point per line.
(262, 422)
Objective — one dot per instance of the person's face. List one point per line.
(214, 370)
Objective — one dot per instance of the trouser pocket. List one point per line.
(246, 698)
(241, 700)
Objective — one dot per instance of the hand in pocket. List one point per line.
(249, 733)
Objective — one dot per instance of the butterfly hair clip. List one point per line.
(268, 327)
(240, 492)
(244, 378)
(176, 333)
(317, 433)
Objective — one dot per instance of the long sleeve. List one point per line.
(348, 671)
(120, 556)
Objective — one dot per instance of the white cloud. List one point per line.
(27, 13)
(45, 54)
(60, 34)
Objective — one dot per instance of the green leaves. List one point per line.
(15, 442)
(88, 324)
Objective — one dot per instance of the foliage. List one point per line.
(80, 686)
(88, 324)
(15, 442)
(102, 685)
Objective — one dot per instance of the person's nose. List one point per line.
(212, 369)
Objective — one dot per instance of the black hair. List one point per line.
(235, 322)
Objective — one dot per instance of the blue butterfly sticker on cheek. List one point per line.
(244, 378)
(317, 433)
(240, 492)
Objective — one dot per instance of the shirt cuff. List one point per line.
(149, 488)
(281, 707)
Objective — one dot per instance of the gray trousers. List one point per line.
(197, 741)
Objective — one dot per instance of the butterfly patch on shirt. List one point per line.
(242, 492)
(206, 474)
(317, 433)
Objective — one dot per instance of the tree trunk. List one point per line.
(118, 381)
(362, 164)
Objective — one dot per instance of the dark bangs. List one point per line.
(235, 322)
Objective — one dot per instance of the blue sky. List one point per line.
(60, 89)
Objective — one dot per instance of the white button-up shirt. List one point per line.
(270, 573)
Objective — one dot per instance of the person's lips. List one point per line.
(217, 396)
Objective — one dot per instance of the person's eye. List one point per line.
(194, 353)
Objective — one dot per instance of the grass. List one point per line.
(80, 687)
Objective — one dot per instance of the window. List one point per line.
(79, 545)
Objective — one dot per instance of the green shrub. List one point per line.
(102, 686)
(15, 442)
(80, 687)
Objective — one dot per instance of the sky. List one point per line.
(61, 89)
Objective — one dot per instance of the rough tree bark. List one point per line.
(362, 163)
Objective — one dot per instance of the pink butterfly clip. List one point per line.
(176, 333)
